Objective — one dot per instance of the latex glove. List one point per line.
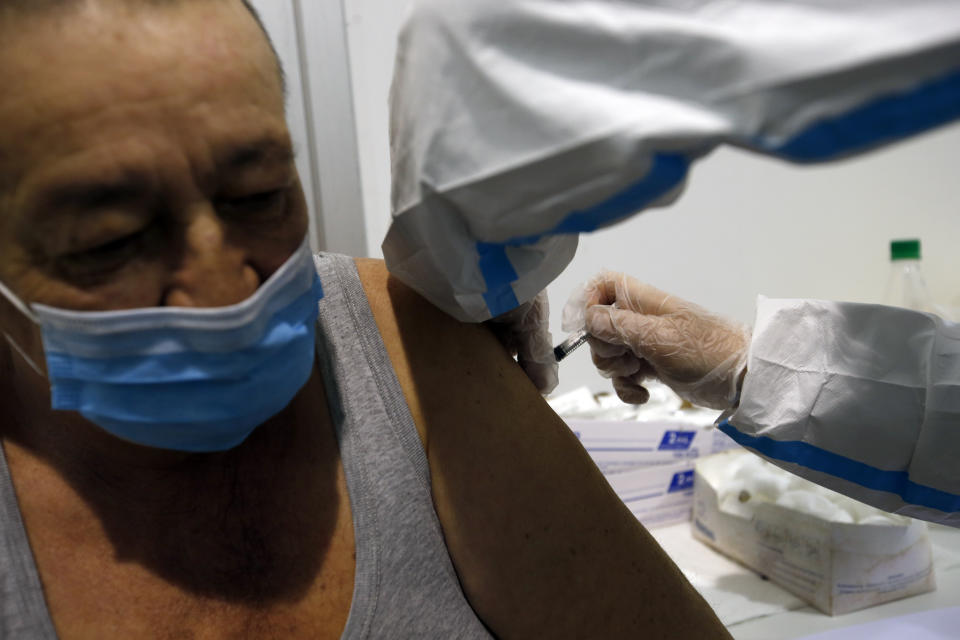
(525, 332)
(638, 332)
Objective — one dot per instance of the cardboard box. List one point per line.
(836, 567)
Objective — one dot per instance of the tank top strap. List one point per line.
(23, 610)
(405, 584)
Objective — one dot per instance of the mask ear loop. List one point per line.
(23, 354)
(25, 310)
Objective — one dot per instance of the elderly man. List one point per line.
(188, 450)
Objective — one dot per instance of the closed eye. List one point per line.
(269, 202)
(101, 259)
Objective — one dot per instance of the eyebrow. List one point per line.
(262, 151)
(90, 192)
(94, 194)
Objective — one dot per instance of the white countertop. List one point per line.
(756, 609)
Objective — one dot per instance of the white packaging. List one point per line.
(836, 567)
(657, 495)
(645, 452)
(619, 446)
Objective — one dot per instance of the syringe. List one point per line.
(567, 347)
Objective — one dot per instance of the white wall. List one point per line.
(372, 27)
(745, 226)
(279, 20)
(310, 39)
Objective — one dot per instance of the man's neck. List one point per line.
(235, 525)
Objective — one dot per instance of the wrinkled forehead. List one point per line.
(140, 66)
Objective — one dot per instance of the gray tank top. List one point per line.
(405, 585)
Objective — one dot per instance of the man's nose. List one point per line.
(211, 273)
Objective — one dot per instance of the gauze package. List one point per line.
(517, 125)
(743, 481)
(863, 399)
(833, 552)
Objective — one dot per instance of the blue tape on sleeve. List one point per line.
(666, 173)
(811, 457)
(882, 121)
(498, 273)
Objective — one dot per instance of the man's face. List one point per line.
(144, 157)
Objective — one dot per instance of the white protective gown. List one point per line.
(518, 124)
(861, 398)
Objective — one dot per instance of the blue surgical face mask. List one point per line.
(189, 379)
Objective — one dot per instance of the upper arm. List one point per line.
(542, 545)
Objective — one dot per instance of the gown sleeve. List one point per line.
(517, 125)
(863, 399)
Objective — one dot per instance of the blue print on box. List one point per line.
(681, 481)
(680, 440)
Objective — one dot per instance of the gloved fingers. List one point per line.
(635, 331)
(537, 313)
(544, 375)
(534, 342)
(625, 292)
(524, 332)
(625, 364)
(606, 349)
(619, 290)
(535, 355)
(572, 317)
(633, 295)
(542, 369)
(630, 391)
(599, 290)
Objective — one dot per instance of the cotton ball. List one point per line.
(762, 479)
(879, 519)
(733, 488)
(748, 466)
(807, 502)
(766, 483)
(843, 502)
(857, 509)
(841, 515)
(736, 490)
(731, 467)
(836, 498)
(802, 484)
(736, 499)
(813, 504)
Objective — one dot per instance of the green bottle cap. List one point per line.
(905, 249)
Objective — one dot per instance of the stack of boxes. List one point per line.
(647, 453)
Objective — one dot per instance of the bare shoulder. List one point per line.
(432, 353)
(542, 545)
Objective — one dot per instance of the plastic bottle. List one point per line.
(906, 286)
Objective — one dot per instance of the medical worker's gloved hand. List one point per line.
(525, 332)
(639, 332)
